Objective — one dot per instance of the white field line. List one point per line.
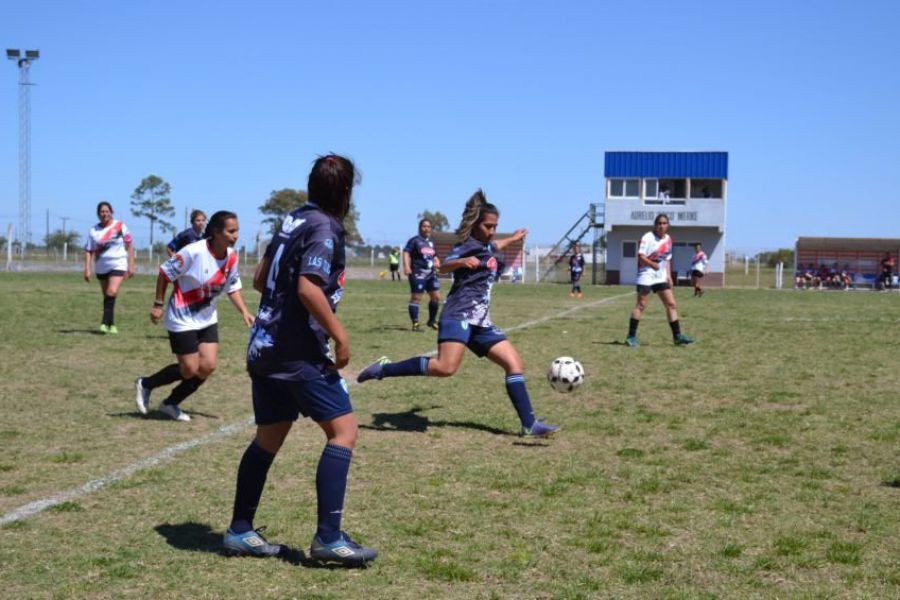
(38, 506)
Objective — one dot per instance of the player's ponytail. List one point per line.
(476, 208)
(217, 223)
(331, 182)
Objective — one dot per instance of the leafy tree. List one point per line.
(283, 201)
(60, 238)
(280, 204)
(782, 255)
(151, 199)
(438, 220)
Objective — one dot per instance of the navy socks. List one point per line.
(417, 365)
(251, 479)
(183, 390)
(432, 310)
(518, 395)
(331, 486)
(414, 312)
(632, 327)
(109, 309)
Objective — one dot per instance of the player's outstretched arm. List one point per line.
(469, 262)
(519, 234)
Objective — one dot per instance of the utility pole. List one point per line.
(24, 64)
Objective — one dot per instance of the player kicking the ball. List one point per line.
(466, 320)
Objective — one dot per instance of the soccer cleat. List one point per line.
(432, 325)
(113, 330)
(343, 551)
(580, 295)
(174, 411)
(249, 543)
(683, 340)
(141, 395)
(373, 371)
(104, 329)
(415, 327)
(539, 429)
(632, 341)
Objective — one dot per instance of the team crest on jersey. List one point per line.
(290, 224)
(329, 243)
(428, 251)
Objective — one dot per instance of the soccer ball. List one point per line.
(565, 374)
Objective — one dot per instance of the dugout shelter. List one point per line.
(691, 188)
(859, 256)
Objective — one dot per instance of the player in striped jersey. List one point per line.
(109, 243)
(200, 272)
(655, 275)
(698, 268)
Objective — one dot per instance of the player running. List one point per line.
(576, 269)
(655, 275)
(466, 319)
(419, 264)
(200, 273)
(110, 243)
(293, 371)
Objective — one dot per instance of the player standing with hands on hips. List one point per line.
(655, 275)
(200, 272)
(293, 371)
(466, 318)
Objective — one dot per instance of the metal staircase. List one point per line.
(592, 220)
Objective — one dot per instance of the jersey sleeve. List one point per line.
(644, 247)
(318, 252)
(89, 244)
(176, 266)
(410, 246)
(175, 243)
(233, 282)
(455, 252)
(126, 234)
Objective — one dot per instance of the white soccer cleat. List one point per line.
(174, 411)
(141, 396)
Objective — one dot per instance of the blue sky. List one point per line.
(228, 101)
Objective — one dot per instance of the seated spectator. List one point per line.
(846, 277)
(824, 276)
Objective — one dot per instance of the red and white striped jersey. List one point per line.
(107, 244)
(199, 279)
(658, 250)
(699, 262)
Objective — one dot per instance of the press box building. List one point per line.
(690, 187)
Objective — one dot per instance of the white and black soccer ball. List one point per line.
(565, 374)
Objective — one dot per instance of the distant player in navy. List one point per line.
(292, 369)
(190, 235)
(655, 275)
(466, 318)
(200, 273)
(419, 265)
(109, 243)
(699, 263)
(576, 269)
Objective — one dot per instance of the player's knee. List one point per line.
(205, 370)
(189, 371)
(437, 369)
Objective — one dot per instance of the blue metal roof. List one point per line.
(703, 165)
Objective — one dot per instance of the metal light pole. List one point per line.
(24, 64)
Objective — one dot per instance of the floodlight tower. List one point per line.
(24, 64)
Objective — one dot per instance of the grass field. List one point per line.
(760, 462)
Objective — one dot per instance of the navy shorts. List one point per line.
(108, 274)
(576, 276)
(476, 338)
(188, 342)
(656, 287)
(417, 285)
(697, 274)
(320, 399)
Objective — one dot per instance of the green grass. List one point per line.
(759, 462)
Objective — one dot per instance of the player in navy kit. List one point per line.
(419, 264)
(576, 268)
(466, 319)
(190, 235)
(292, 369)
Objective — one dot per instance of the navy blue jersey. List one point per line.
(286, 342)
(470, 297)
(188, 236)
(421, 256)
(576, 263)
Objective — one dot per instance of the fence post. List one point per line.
(757, 272)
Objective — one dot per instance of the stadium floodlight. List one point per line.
(13, 54)
(32, 54)
(24, 64)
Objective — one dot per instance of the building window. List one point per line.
(629, 249)
(706, 188)
(624, 188)
(651, 191)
